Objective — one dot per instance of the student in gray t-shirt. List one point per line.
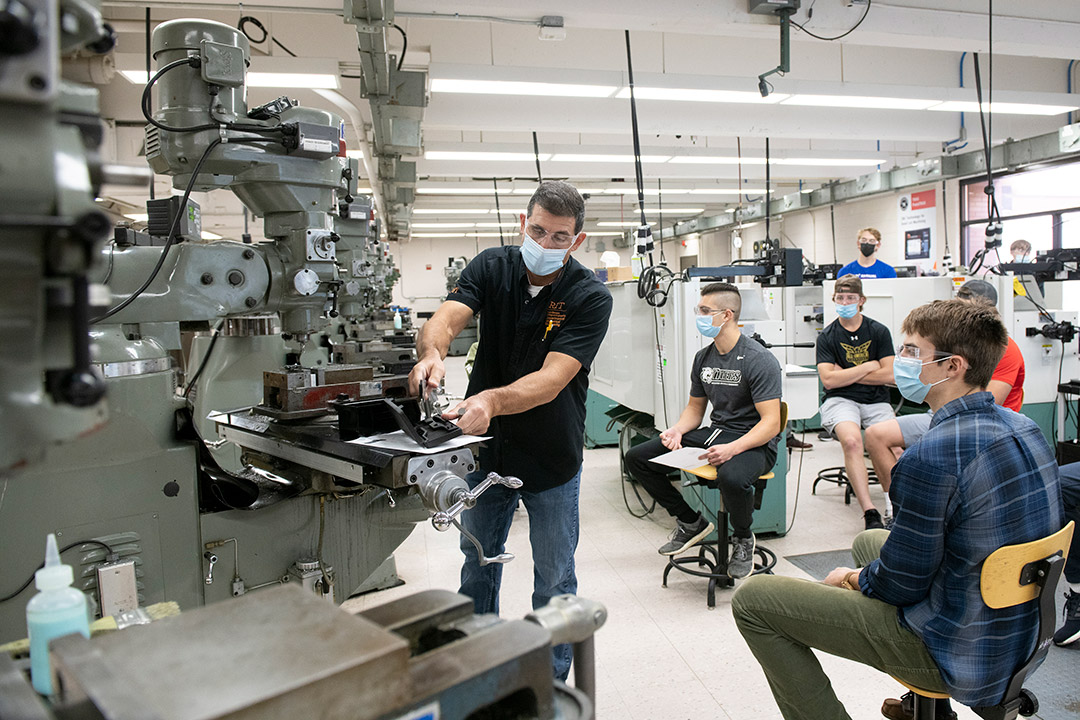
(741, 379)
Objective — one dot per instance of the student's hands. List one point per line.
(720, 454)
(671, 438)
(839, 576)
(473, 415)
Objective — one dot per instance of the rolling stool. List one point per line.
(838, 475)
(1012, 575)
(713, 554)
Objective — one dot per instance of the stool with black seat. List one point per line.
(1013, 575)
(839, 476)
(713, 554)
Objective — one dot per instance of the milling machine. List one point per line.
(155, 484)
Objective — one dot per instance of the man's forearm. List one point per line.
(881, 376)
(434, 338)
(847, 376)
(523, 394)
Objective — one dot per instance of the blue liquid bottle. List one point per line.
(57, 610)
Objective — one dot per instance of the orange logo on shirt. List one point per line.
(555, 317)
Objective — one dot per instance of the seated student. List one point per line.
(1069, 632)
(867, 266)
(854, 360)
(1007, 386)
(742, 381)
(982, 477)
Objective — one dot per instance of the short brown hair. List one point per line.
(848, 283)
(560, 199)
(1020, 246)
(971, 330)
(731, 299)
(873, 231)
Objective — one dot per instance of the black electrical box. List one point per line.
(162, 212)
(772, 7)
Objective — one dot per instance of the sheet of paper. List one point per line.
(398, 440)
(686, 458)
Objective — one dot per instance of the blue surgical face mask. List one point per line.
(847, 311)
(705, 326)
(540, 260)
(908, 375)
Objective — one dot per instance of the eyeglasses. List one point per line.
(706, 311)
(912, 352)
(559, 240)
(847, 299)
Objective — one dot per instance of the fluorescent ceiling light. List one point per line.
(449, 211)
(443, 225)
(676, 210)
(715, 160)
(727, 160)
(1004, 108)
(504, 223)
(430, 190)
(626, 224)
(503, 87)
(138, 217)
(485, 156)
(699, 95)
(604, 233)
(311, 81)
(829, 162)
(207, 235)
(574, 157)
(860, 101)
(454, 234)
(724, 191)
(138, 77)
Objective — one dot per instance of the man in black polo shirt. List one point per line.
(544, 316)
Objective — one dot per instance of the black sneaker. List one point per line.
(1070, 631)
(872, 518)
(685, 536)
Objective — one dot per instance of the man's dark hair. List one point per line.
(562, 199)
(728, 296)
(971, 330)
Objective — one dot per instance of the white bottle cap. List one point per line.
(55, 574)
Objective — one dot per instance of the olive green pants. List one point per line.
(784, 619)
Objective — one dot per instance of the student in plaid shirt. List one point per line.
(982, 477)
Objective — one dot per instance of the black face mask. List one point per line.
(867, 249)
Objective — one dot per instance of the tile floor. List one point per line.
(663, 655)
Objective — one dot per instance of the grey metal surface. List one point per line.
(293, 453)
(280, 653)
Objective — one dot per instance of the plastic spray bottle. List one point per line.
(57, 610)
(397, 318)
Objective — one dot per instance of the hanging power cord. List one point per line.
(404, 45)
(205, 359)
(319, 557)
(536, 156)
(842, 35)
(110, 556)
(251, 20)
(624, 434)
(498, 210)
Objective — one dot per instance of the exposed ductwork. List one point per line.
(397, 100)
